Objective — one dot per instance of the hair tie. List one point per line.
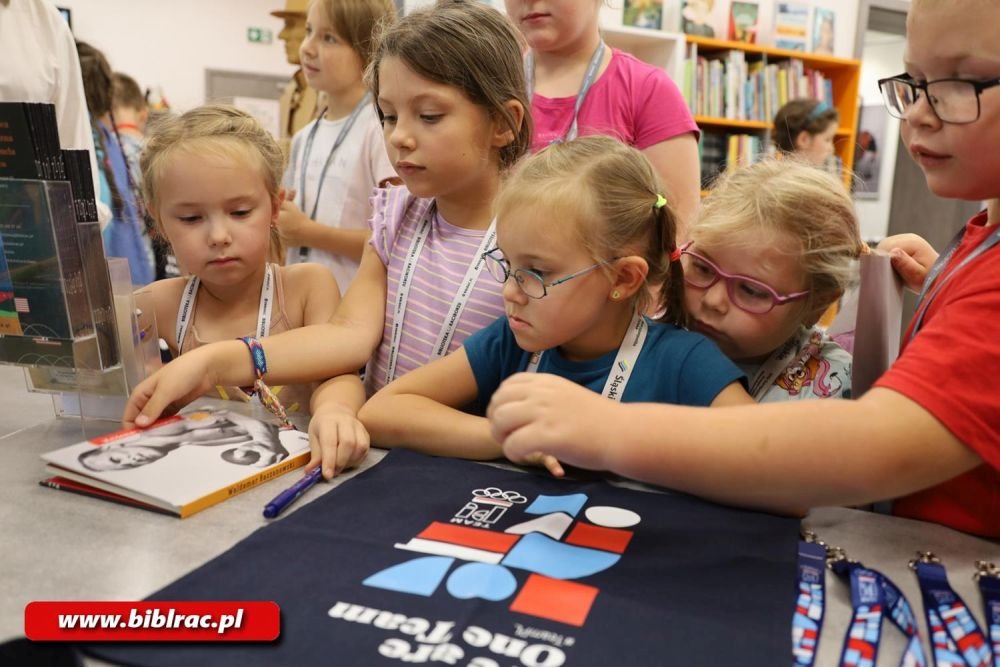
(820, 108)
(675, 255)
(661, 201)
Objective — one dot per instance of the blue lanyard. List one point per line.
(988, 576)
(956, 639)
(329, 158)
(873, 597)
(588, 80)
(939, 265)
(808, 617)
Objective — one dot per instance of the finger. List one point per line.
(510, 416)
(144, 405)
(316, 451)
(330, 446)
(553, 466)
(364, 445)
(909, 269)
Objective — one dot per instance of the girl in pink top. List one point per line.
(579, 86)
(449, 88)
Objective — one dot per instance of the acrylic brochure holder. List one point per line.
(68, 315)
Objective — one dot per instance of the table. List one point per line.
(61, 546)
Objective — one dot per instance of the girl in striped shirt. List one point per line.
(448, 85)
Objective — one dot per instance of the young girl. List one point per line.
(449, 87)
(211, 179)
(574, 291)
(579, 86)
(774, 245)
(805, 128)
(927, 434)
(338, 159)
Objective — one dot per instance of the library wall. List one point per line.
(171, 44)
(883, 56)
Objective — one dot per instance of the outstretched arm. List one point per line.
(340, 346)
(337, 438)
(773, 456)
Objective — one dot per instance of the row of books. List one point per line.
(725, 85)
(720, 151)
(56, 303)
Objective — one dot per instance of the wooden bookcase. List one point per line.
(844, 75)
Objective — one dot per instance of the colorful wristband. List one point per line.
(258, 359)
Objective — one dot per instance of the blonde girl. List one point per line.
(774, 245)
(211, 183)
(449, 87)
(339, 158)
(585, 239)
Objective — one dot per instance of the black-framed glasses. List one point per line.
(954, 101)
(530, 282)
(747, 294)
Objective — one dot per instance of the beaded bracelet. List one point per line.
(259, 387)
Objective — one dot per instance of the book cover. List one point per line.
(696, 17)
(791, 26)
(743, 22)
(643, 13)
(20, 157)
(184, 463)
(823, 33)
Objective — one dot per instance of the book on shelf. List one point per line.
(823, 34)
(743, 22)
(696, 17)
(180, 465)
(643, 14)
(791, 26)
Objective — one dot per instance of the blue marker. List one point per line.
(291, 494)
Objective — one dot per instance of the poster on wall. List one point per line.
(872, 124)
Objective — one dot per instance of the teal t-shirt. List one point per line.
(674, 366)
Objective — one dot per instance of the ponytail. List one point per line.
(671, 289)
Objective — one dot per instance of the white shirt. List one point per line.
(358, 166)
(40, 64)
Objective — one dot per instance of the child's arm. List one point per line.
(319, 290)
(340, 346)
(337, 438)
(732, 394)
(771, 456)
(298, 229)
(420, 411)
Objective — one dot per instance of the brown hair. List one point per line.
(795, 208)
(798, 116)
(469, 46)
(357, 20)
(125, 92)
(97, 86)
(214, 129)
(611, 190)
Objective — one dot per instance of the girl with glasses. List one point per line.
(584, 242)
(774, 245)
(928, 433)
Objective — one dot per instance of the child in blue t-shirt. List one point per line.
(584, 239)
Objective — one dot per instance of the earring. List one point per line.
(616, 295)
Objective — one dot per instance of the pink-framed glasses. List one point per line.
(745, 293)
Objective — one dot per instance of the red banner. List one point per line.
(238, 621)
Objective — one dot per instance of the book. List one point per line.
(823, 32)
(696, 17)
(743, 22)
(643, 13)
(791, 26)
(182, 464)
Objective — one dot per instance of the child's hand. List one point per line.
(169, 389)
(539, 417)
(337, 440)
(294, 225)
(546, 461)
(912, 257)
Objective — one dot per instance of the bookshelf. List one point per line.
(842, 74)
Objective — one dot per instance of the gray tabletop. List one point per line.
(62, 546)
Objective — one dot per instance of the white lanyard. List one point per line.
(307, 151)
(185, 313)
(624, 363)
(588, 81)
(457, 305)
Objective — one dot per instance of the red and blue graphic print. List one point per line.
(956, 638)
(808, 618)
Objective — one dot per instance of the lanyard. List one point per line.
(988, 576)
(624, 364)
(458, 304)
(307, 151)
(781, 359)
(956, 639)
(185, 312)
(873, 596)
(588, 80)
(808, 617)
(939, 265)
